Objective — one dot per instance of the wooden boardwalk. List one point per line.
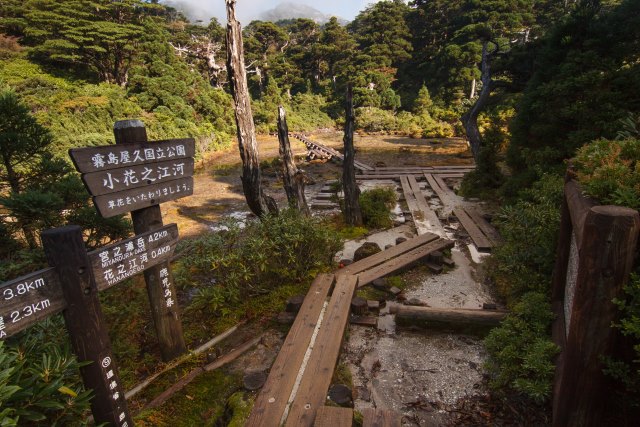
(299, 380)
(317, 150)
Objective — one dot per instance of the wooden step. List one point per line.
(274, 396)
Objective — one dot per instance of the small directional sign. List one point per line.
(114, 263)
(29, 299)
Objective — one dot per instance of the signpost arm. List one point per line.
(65, 251)
(159, 280)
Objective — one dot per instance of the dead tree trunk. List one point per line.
(292, 177)
(259, 203)
(470, 118)
(352, 212)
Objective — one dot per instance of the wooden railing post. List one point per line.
(159, 280)
(65, 251)
(606, 251)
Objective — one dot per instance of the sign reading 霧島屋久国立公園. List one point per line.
(127, 177)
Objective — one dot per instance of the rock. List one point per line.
(380, 284)
(489, 306)
(346, 262)
(341, 395)
(367, 249)
(254, 380)
(436, 257)
(388, 247)
(373, 305)
(435, 268)
(448, 262)
(416, 302)
(294, 303)
(285, 318)
(395, 291)
(400, 240)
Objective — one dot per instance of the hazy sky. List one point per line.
(250, 9)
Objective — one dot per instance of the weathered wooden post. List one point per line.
(292, 177)
(259, 203)
(159, 279)
(602, 253)
(65, 251)
(352, 212)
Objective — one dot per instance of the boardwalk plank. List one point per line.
(403, 261)
(427, 212)
(316, 379)
(330, 416)
(480, 240)
(273, 398)
(486, 228)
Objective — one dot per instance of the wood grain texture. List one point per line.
(273, 398)
(292, 178)
(380, 418)
(428, 214)
(450, 315)
(316, 379)
(330, 416)
(487, 229)
(479, 239)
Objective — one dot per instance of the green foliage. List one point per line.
(608, 171)
(39, 379)
(521, 351)
(241, 263)
(376, 205)
(525, 260)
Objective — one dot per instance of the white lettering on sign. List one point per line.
(160, 251)
(22, 288)
(144, 196)
(117, 157)
(29, 310)
(2, 328)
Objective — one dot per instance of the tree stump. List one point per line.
(358, 305)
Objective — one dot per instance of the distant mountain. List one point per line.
(290, 10)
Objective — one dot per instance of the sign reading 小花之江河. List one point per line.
(127, 177)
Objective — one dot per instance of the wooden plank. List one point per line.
(29, 299)
(113, 204)
(449, 175)
(106, 157)
(274, 396)
(386, 255)
(449, 315)
(480, 240)
(331, 416)
(403, 261)
(316, 378)
(361, 177)
(380, 418)
(409, 197)
(114, 263)
(128, 177)
(444, 194)
(488, 229)
(427, 212)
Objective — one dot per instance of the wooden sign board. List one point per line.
(29, 299)
(113, 204)
(122, 179)
(114, 263)
(107, 157)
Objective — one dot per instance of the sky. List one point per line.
(247, 10)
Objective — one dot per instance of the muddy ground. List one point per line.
(431, 376)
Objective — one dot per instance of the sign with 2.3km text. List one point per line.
(29, 299)
(128, 177)
(114, 263)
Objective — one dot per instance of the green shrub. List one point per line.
(608, 171)
(39, 379)
(376, 205)
(237, 264)
(521, 351)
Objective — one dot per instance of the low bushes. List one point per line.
(376, 205)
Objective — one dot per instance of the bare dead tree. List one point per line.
(352, 211)
(258, 201)
(293, 178)
(470, 118)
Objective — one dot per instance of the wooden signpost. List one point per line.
(134, 175)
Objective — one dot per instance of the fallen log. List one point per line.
(449, 315)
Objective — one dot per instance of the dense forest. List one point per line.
(532, 84)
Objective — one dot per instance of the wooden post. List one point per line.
(606, 253)
(259, 203)
(292, 177)
(352, 212)
(159, 280)
(65, 251)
